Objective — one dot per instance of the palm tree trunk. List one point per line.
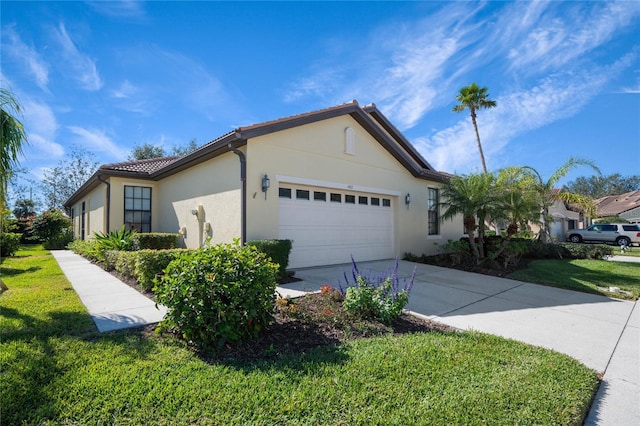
(475, 127)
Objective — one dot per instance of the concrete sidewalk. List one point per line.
(600, 332)
(112, 304)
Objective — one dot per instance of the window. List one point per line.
(386, 202)
(137, 208)
(319, 196)
(363, 200)
(302, 194)
(82, 221)
(432, 206)
(284, 192)
(336, 198)
(375, 201)
(350, 199)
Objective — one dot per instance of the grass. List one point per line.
(591, 276)
(56, 369)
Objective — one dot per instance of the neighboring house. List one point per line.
(565, 217)
(626, 206)
(339, 182)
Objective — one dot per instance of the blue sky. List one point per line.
(110, 75)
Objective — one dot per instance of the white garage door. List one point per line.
(329, 226)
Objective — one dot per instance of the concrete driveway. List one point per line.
(600, 332)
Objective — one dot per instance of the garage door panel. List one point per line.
(325, 233)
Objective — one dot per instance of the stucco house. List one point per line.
(339, 182)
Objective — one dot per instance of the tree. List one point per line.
(547, 193)
(601, 186)
(183, 150)
(59, 183)
(474, 98)
(12, 139)
(24, 209)
(475, 198)
(146, 152)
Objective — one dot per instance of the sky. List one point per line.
(108, 76)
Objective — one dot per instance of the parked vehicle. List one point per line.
(623, 234)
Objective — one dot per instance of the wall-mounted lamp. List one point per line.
(266, 183)
(194, 212)
(407, 199)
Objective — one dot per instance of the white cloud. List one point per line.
(119, 9)
(96, 140)
(26, 54)
(84, 68)
(41, 128)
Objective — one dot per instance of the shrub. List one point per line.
(459, 252)
(150, 263)
(218, 294)
(125, 262)
(88, 249)
(586, 251)
(115, 240)
(155, 241)
(277, 250)
(9, 243)
(377, 296)
(53, 229)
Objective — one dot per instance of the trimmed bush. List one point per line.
(218, 294)
(125, 263)
(151, 263)
(586, 251)
(277, 250)
(9, 243)
(155, 241)
(88, 249)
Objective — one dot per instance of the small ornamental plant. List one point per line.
(376, 296)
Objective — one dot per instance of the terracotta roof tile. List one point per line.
(141, 166)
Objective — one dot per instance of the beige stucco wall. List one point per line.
(117, 201)
(316, 152)
(214, 185)
(94, 213)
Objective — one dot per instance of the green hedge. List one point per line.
(9, 243)
(151, 263)
(586, 251)
(125, 263)
(155, 241)
(277, 250)
(218, 294)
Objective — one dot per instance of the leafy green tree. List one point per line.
(24, 209)
(601, 186)
(59, 183)
(54, 229)
(12, 139)
(475, 197)
(474, 98)
(146, 151)
(183, 150)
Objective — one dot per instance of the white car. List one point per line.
(623, 234)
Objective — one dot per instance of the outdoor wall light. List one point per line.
(266, 183)
(407, 199)
(194, 212)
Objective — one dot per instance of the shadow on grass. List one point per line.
(11, 272)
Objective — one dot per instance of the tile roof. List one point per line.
(146, 167)
(613, 205)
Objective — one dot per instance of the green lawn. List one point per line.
(56, 369)
(591, 276)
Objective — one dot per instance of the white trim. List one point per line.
(434, 237)
(336, 185)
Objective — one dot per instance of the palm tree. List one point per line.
(547, 193)
(474, 98)
(12, 138)
(475, 198)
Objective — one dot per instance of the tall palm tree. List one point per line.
(12, 139)
(474, 98)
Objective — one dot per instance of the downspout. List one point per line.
(108, 202)
(243, 179)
